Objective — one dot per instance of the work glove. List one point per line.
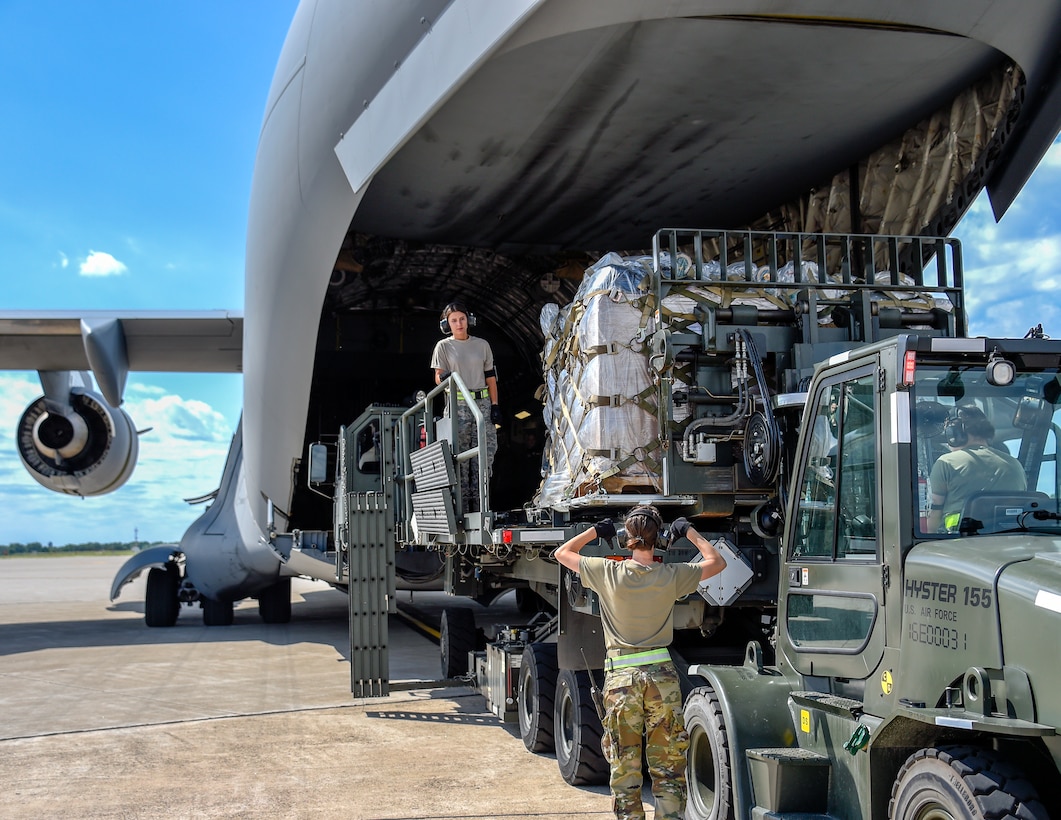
(495, 414)
(445, 374)
(679, 528)
(605, 529)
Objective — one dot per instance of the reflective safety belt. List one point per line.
(482, 393)
(638, 659)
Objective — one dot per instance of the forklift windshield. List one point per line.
(985, 452)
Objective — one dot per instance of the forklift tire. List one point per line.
(577, 730)
(964, 783)
(457, 638)
(709, 774)
(534, 702)
(161, 604)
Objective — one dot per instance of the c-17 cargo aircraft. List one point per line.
(416, 152)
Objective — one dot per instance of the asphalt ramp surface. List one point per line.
(102, 717)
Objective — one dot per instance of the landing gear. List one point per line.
(457, 638)
(578, 731)
(709, 775)
(274, 602)
(534, 702)
(962, 783)
(527, 601)
(161, 604)
(216, 613)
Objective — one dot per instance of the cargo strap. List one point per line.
(640, 455)
(645, 658)
(483, 393)
(641, 400)
(602, 349)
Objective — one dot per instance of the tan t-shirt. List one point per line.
(470, 357)
(637, 602)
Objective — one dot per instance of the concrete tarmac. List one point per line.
(102, 717)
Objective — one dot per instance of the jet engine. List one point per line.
(84, 448)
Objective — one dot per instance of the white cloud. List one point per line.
(180, 421)
(100, 263)
(1053, 157)
(1011, 286)
(17, 390)
(1013, 267)
(64, 260)
(145, 389)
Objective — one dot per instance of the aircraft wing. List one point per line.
(164, 341)
(112, 343)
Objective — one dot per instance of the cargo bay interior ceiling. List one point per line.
(593, 139)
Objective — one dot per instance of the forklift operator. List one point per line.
(972, 466)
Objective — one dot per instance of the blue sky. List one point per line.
(126, 154)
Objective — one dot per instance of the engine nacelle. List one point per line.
(90, 449)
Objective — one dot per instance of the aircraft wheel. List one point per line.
(527, 601)
(217, 613)
(457, 638)
(161, 604)
(577, 730)
(709, 775)
(537, 690)
(962, 783)
(274, 602)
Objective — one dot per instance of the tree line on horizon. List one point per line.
(89, 546)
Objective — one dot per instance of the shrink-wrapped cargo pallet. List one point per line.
(600, 404)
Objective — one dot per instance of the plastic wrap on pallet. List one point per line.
(808, 276)
(908, 301)
(787, 274)
(600, 396)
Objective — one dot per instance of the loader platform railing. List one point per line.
(417, 433)
(878, 281)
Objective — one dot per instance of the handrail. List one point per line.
(406, 435)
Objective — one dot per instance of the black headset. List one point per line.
(957, 435)
(454, 307)
(652, 514)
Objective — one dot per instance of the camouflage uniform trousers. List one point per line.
(466, 439)
(645, 701)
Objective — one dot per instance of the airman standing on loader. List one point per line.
(473, 359)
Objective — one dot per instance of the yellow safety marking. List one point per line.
(804, 721)
(886, 681)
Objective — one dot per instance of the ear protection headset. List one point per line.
(454, 307)
(957, 435)
(652, 514)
